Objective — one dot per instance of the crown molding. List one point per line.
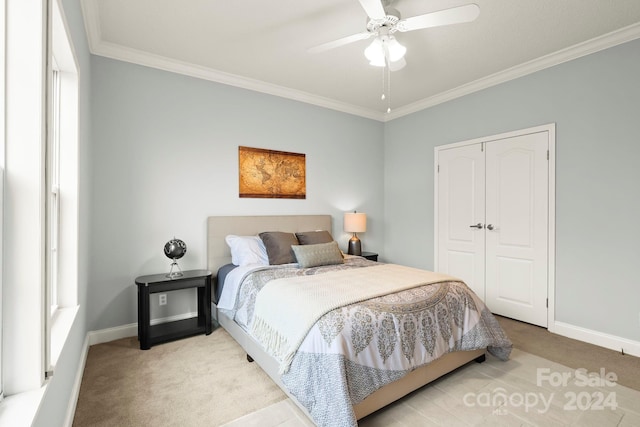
(91, 22)
(99, 47)
(588, 47)
(121, 53)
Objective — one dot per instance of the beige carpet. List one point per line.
(572, 353)
(206, 380)
(197, 381)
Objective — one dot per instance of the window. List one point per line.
(53, 186)
(30, 91)
(2, 105)
(23, 199)
(61, 253)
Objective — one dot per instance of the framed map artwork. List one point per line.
(271, 174)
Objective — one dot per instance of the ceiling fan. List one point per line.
(383, 21)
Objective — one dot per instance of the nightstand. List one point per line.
(153, 334)
(372, 256)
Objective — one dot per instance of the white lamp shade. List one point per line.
(378, 62)
(397, 65)
(384, 48)
(375, 52)
(355, 222)
(395, 49)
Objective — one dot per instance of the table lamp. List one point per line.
(355, 222)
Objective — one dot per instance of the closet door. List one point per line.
(461, 205)
(517, 179)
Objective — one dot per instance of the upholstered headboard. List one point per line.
(218, 227)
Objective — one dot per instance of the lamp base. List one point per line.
(174, 274)
(355, 246)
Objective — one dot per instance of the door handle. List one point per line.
(478, 226)
(490, 227)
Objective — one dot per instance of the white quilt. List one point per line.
(307, 298)
(358, 348)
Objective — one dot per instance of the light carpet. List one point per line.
(207, 381)
(197, 381)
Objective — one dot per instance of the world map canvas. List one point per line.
(271, 174)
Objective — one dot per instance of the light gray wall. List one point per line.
(594, 102)
(57, 398)
(166, 158)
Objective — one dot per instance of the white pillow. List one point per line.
(247, 250)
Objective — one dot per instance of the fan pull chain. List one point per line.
(383, 87)
(388, 89)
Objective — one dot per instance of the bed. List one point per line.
(333, 388)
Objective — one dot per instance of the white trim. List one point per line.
(63, 47)
(97, 46)
(100, 47)
(61, 324)
(600, 339)
(551, 229)
(134, 56)
(19, 410)
(579, 50)
(504, 135)
(112, 334)
(23, 267)
(75, 391)
(91, 20)
(551, 236)
(66, 113)
(1, 228)
(130, 330)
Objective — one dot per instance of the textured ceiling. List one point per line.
(264, 46)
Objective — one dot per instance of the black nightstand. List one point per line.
(370, 256)
(153, 284)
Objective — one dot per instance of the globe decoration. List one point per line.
(175, 249)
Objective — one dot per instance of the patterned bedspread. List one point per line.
(354, 350)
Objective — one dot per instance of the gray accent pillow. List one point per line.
(278, 245)
(314, 237)
(319, 254)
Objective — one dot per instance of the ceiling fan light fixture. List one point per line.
(378, 62)
(384, 49)
(395, 49)
(375, 53)
(397, 65)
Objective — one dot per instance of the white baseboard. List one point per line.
(75, 392)
(130, 330)
(601, 339)
(112, 334)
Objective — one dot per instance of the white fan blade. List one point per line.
(340, 42)
(373, 8)
(397, 65)
(454, 15)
